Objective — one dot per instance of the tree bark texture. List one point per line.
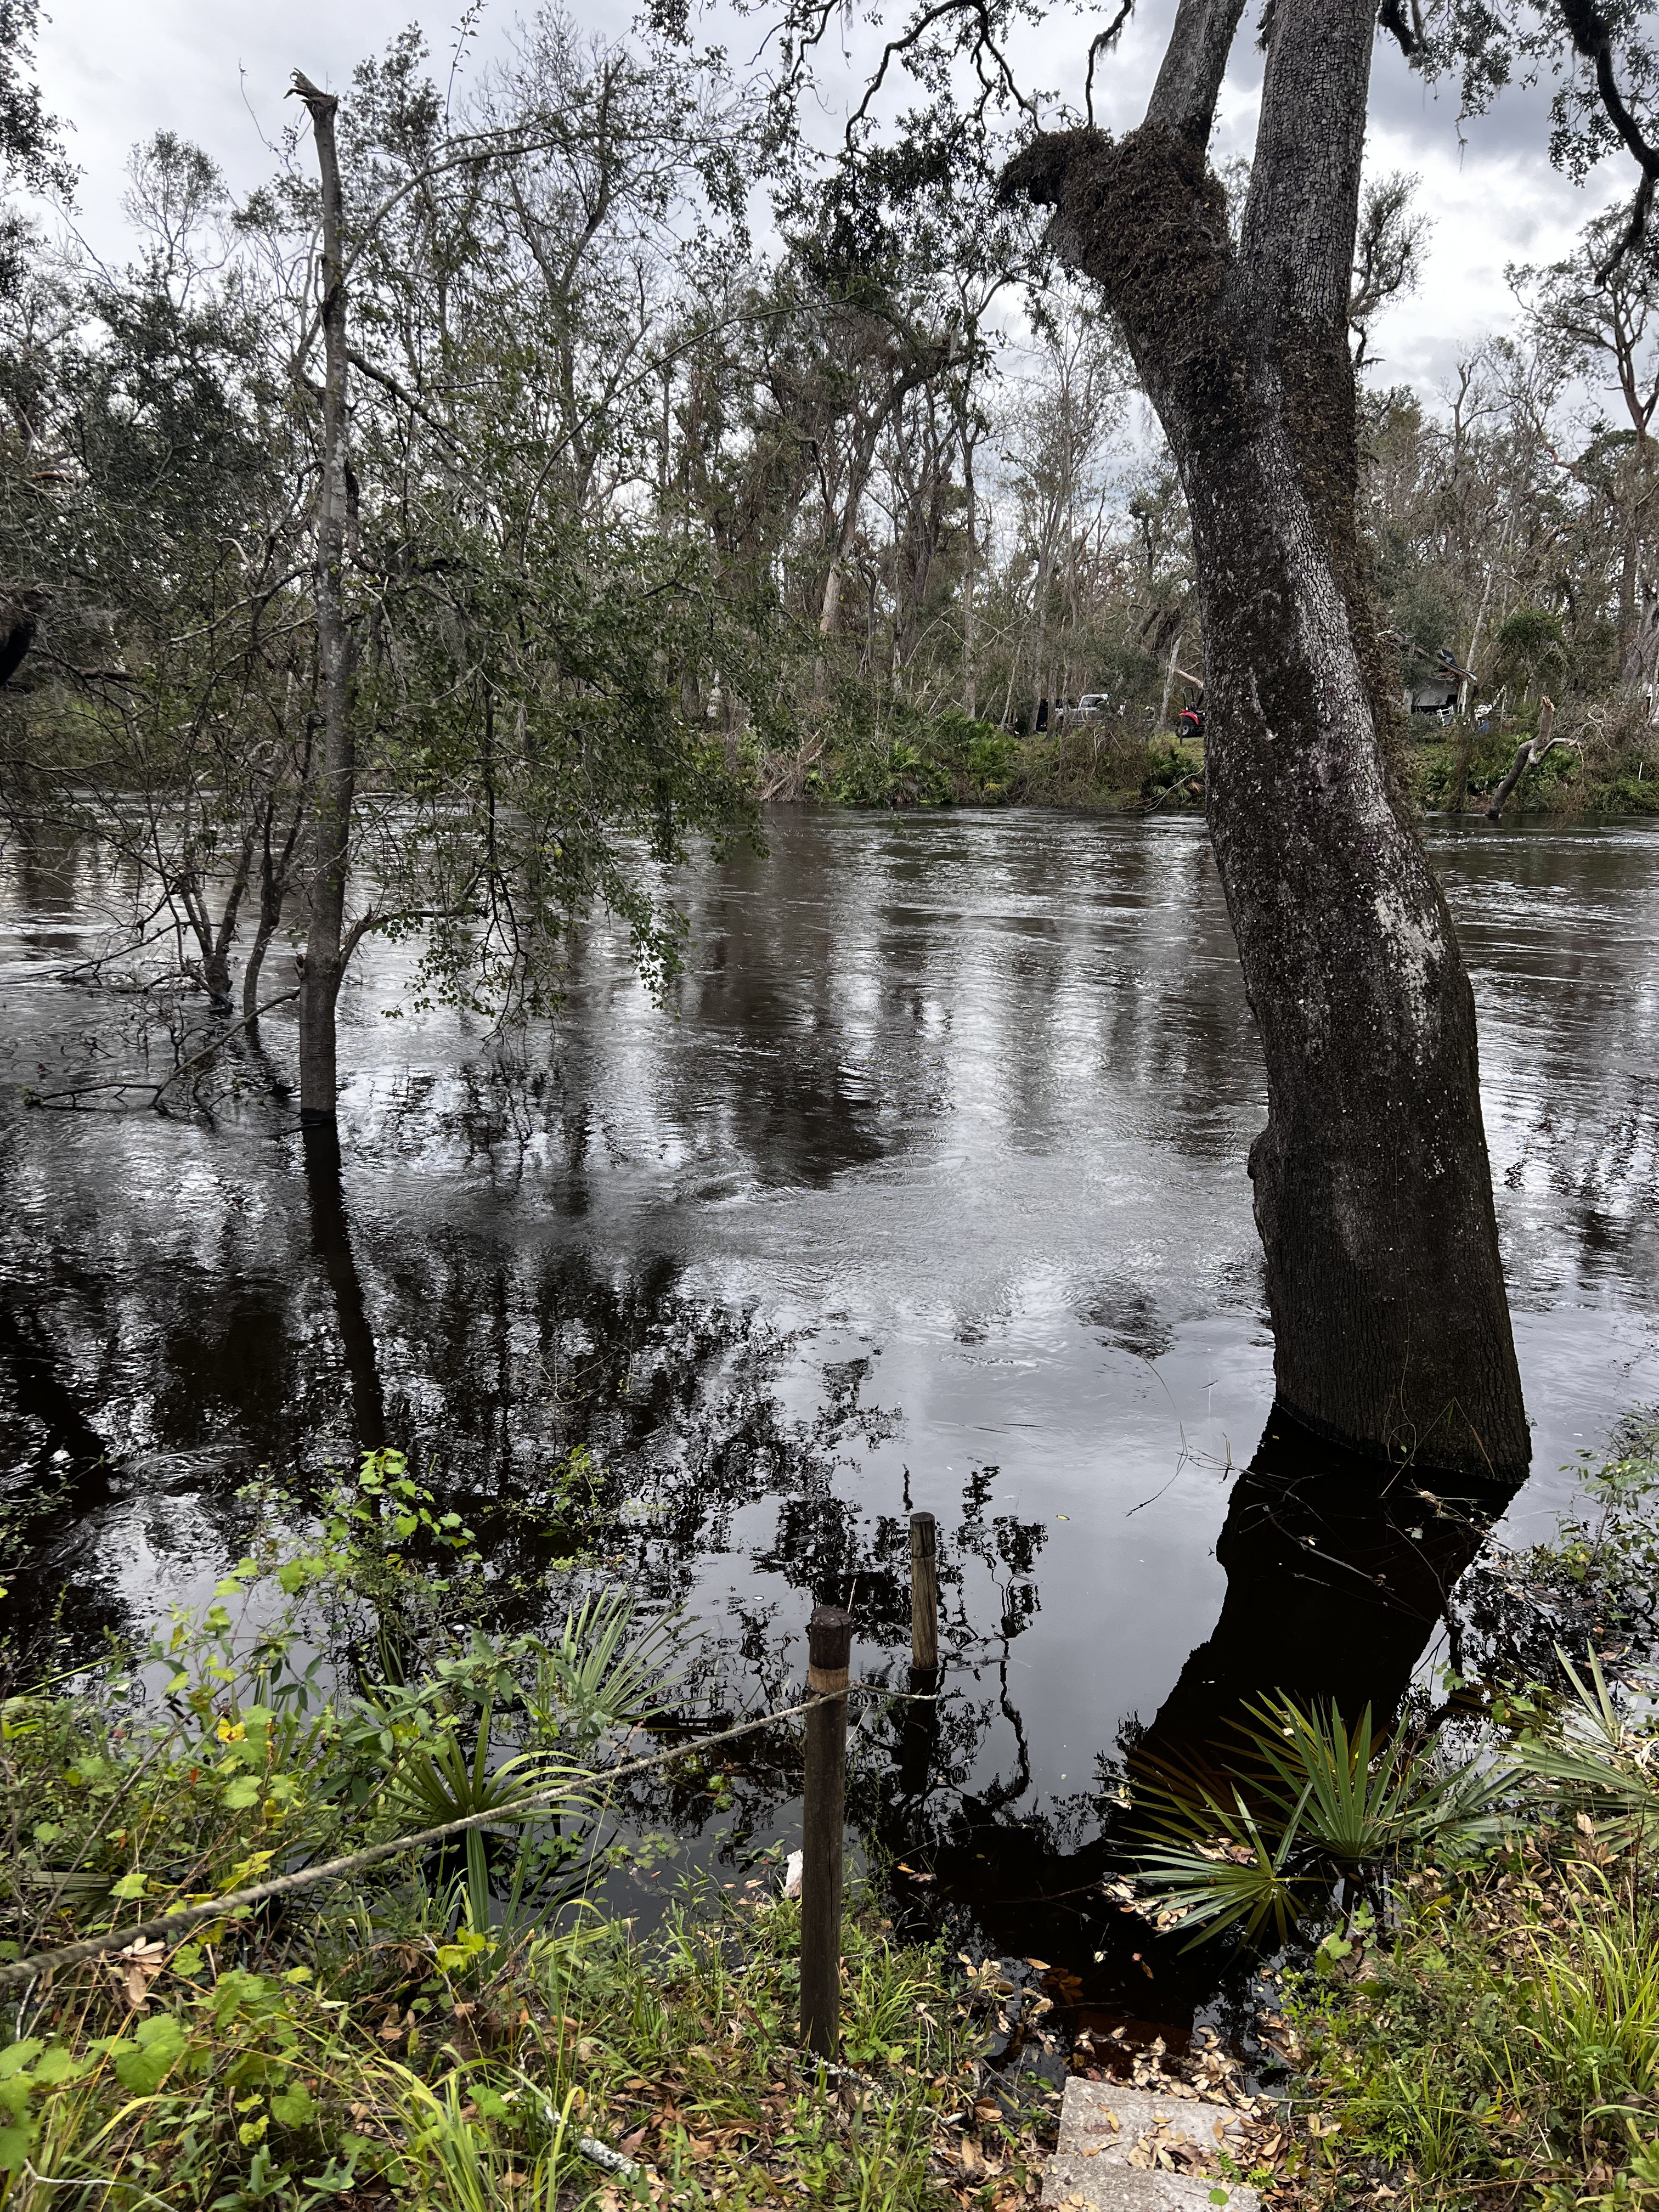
(322, 966)
(1373, 1189)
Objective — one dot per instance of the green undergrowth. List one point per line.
(1611, 769)
(411, 2066)
(1479, 2020)
(951, 759)
(443, 2028)
(1500, 2047)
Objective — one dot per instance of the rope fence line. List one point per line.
(181, 1919)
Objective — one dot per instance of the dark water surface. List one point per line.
(928, 1190)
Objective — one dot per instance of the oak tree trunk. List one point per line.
(1373, 1190)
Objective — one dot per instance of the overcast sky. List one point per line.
(215, 70)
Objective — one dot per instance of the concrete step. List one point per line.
(1101, 2124)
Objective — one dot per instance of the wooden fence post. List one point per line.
(924, 1592)
(823, 1817)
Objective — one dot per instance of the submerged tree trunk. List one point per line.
(328, 947)
(1373, 1191)
(273, 893)
(215, 965)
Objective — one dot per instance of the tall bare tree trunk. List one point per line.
(327, 948)
(1373, 1189)
(1169, 677)
(1039, 670)
(969, 687)
(1469, 678)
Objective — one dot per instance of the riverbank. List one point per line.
(1104, 765)
(468, 2027)
(455, 2027)
(1489, 2033)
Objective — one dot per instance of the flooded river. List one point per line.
(926, 1189)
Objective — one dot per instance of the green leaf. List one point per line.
(13, 2147)
(293, 2105)
(243, 1792)
(58, 2064)
(452, 1957)
(143, 2064)
(131, 1884)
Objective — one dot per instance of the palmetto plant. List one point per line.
(1593, 1762)
(591, 1678)
(437, 1781)
(1309, 1802)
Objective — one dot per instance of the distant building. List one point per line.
(1435, 695)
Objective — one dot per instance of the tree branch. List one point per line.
(76, 1091)
(388, 382)
(1592, 36)
(1194, 62)
(1102, 43)
(984, 43)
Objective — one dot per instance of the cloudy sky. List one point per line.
(215, 71)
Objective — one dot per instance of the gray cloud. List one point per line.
(215, 70)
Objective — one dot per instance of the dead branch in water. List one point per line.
(68, 1100)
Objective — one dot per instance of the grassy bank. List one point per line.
(1479, 2022)
(916, 760)
(450, 2027)
(1476, 2022)
(1501, 2047)
(951, 759)
(402, 2066)
(1611, 767)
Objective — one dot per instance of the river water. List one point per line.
(926, 1189)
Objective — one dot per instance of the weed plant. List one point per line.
(1479, 2022)
(1500, 2047)
(439, 2032)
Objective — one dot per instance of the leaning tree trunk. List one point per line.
(1373, 1190)
(322, 965)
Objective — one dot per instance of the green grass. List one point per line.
(1488, 2035)
(442, 2031)
(1501, 2048)
(436, 2075)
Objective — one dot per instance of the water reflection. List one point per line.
(1338, 1573)
(926, 1191)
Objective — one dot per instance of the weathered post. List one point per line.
(823, 1814)
(924, 1592)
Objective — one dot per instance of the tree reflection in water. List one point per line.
(1340, 1572)
(980, 1090)
(489, 1371)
